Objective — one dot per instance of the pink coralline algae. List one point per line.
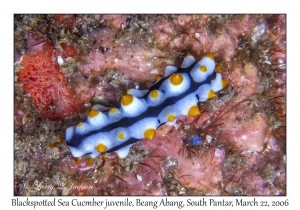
(202, 171)
(118, 22)
(243, 129)
(137, 61)
(198, 34)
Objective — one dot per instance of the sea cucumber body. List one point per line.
(139, 117)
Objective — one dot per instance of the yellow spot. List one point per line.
(120, 158)
(211, 94)
(224, 83)
(203, 68)
(188, 54)
(126, 99)
(93, 113)
(77, 161)
(79, 125)
(219, 68)
(90, 161)
(194, 111)
(103, 157)
(150, 134)
(154, 93)
(171, 118)
(101, 148)
(210, 55)
(156, 76)
(112, 110)
(121, 136)
(176, 79)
